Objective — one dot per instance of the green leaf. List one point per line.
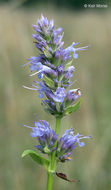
(49, 82)
(72, 108)
(36, 157)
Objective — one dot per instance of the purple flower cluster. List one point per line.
(67, 144)
(45, 135)
(53, 67)
(48, 137)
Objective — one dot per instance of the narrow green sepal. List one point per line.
(72, 108)
(46, 150)
(47, 53)
(49, 82)
(37, 158)
(68, 64)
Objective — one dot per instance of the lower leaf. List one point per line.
(36, 157)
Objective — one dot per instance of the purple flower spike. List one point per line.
(53, 67)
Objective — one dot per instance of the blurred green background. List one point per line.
(91, 164)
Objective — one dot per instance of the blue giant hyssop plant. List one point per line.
(54, 69)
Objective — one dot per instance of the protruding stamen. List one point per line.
(27, 126)
(25, 64)
(34, 73)
(83, 48)
(28, 88)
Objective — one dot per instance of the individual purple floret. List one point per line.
(72, 95)
(45, 135)
(42, 69)
(69, 72)
(74, 50)
(59, 95)
(67, 143)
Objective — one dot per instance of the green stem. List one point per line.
(51, 170)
